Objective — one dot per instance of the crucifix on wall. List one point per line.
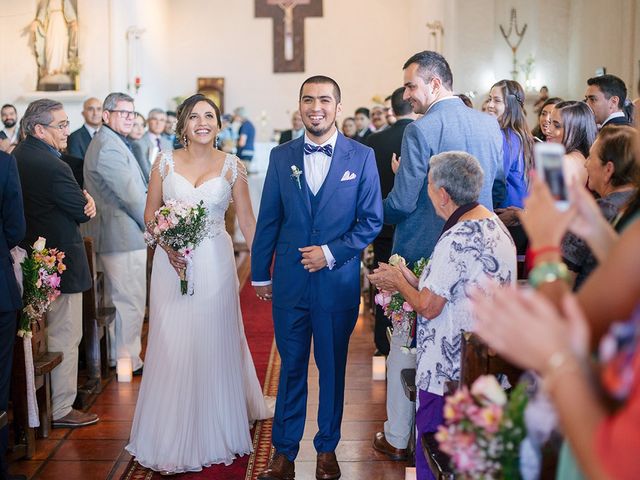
(288, 30)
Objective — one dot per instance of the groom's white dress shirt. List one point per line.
(316, 168)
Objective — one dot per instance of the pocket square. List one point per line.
(348, 176)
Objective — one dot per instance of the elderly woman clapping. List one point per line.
(473, 246)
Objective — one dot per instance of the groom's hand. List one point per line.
(264, 292)
(313, 258)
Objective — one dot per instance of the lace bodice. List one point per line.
(214, 192)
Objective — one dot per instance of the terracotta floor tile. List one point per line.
(90, 450)
(117, 396)
(56, 433)
(84, 470)
(44, 448)
(305, 470)
(114, 413)
(25, 467)
(118, 470)
(347, 451)
(349, 431)
(124, 456)
(103, 430)
(357, 412)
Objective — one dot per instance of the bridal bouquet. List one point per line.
(181, 226)
(483, 430)
(403, 317)
(41, 273)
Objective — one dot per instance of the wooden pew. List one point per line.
(44, 362)
(96, 319)
(476, 359)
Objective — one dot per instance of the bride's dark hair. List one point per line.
(185, 109)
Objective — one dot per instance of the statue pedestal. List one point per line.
(56, 83)
(63, 96)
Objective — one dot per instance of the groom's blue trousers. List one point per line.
(294, 329)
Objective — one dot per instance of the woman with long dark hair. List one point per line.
(506, 103)
(200, 391)
(574, 126)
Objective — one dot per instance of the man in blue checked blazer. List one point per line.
(321, 206)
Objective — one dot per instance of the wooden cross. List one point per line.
(288, 30)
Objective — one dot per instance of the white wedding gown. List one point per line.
(199, 390)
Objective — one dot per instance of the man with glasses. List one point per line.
(54, 206)
(113, 175)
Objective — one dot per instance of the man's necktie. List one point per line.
(326, 149)
(158, 143)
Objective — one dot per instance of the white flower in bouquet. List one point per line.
(396, 260)
(488, 391)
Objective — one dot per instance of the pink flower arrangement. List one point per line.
(181, 226)
(483, 429)
(403, 317)
(41, 275)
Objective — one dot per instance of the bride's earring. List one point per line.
(216, 142)
(185, 141)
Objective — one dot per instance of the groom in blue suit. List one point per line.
(321, 206)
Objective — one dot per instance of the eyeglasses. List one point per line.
(124, 113)
(61, 126)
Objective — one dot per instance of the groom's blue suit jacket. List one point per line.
(347, 218)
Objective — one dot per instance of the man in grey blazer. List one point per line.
(112, 175)
(153, 142)
(447, 125)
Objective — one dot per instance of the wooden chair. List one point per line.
(44, 362)
(476, 359)
(96, 319)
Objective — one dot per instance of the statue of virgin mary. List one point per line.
(56, 43)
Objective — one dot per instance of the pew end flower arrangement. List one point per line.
(181, 226)
(402, 315)
(41, 274)
(483, 430)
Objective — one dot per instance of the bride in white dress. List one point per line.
(199, 392)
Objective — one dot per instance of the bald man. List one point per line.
(79, 140)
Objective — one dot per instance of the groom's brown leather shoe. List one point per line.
(280, 468)
(327, 466)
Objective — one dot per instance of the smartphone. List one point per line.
(549, 159)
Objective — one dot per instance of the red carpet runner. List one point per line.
(258, 327)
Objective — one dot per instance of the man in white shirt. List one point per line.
(10, 135)
(153, 142)
(606, 96)
(80, 139)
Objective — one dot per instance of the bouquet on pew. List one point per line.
(41, 272)
(403, 317)
(483, 429)
(181, 226)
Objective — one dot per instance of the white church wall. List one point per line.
(361, 43)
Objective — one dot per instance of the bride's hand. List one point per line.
(176, 260)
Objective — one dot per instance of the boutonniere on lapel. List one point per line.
(295, 174)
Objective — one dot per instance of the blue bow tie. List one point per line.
(326, 149)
